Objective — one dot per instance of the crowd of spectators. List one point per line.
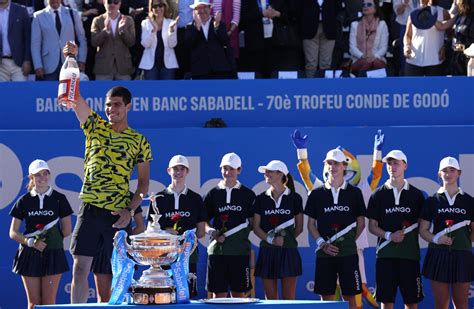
(214, 39)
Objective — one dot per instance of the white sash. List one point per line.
(453, 228)
(284, 225)
(46, 227)
(232, 231)
(387, 241)
(340, 234)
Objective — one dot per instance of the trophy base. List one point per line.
(141, 295)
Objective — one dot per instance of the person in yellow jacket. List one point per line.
(352, 176)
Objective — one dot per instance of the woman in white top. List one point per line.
(159, 39)
(368, 39)
(424, 44)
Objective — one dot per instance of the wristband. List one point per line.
(320, 241)
(378, 155)
(270, 239)
(131, 211)
(387, 235)
(30, 242)
(210, 231)
(302, 153)
(435, 239)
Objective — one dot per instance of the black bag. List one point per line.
(285, 35)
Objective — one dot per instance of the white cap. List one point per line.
(200, 2)
(178, 160)
(335, 155)
(231, 159)
(274, 165)
(395, 154)
(449, 162)
(37, 165)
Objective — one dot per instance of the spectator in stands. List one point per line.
(112, 34)
(15, 36)
(181, 210)
(402, 9)
(139, 12)
(31, 5)
(40, 259)
(257, 38)
(272, 38)
(51, 29)
(423, 43)
(449, 261)
(278, 221)
(90, 11)
(336, 219)
(230, 10)
(182, 8)
(320, 27)
(368, 39)
(207, 37)
(229, 212)
(463, 23)
(159, 39)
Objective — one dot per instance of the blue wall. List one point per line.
(61, 144)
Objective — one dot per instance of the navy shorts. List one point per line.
(398, 273)
(329, 269)
(93, 234)
(228, 272)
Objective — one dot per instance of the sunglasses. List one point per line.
(113, 1)
(158, 5)
(367, 4)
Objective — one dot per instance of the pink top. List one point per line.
(217, 7)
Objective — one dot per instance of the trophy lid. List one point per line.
(154, 232)
(154, 235)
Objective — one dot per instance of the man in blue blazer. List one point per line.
(49, 35)
(15, 33)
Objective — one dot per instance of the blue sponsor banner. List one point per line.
(256, 103)
(64, 149)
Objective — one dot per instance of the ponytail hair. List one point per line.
(31, 184)
(289, 182)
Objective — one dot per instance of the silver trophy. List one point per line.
(155, 248)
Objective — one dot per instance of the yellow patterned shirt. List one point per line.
(109, 160)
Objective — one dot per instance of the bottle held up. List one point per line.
(69, 77)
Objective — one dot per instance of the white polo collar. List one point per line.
(450, 200)
(177, 195)
(171, 191)
(327, 185)
(397, 194)
(278, 202)
(41, 196)
(221, 185)
(406, 185)
(48, 192)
